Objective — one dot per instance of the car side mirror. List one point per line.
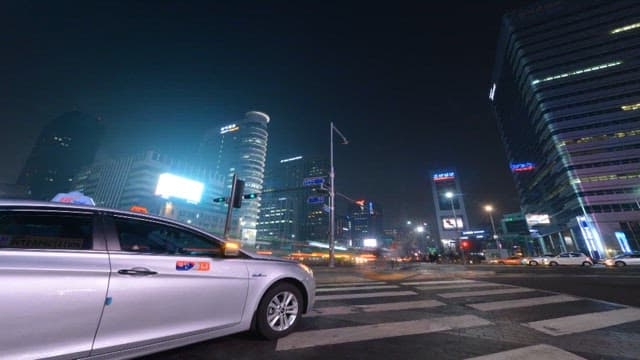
(231, 249)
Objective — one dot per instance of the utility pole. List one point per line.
(227, 223)
(332, 199)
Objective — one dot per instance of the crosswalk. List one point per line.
(442, 306)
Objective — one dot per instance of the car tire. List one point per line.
(500, 262)
(586, 264)
(279, 311)
(553, 263)
(533, 263)
(620, 264)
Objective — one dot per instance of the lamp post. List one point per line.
(489, 209)
(332, 198)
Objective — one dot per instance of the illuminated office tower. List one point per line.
(566, 95)
(241, 148)
(451, 214)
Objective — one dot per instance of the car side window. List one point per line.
(153, 238)
(36, 230)
(564, 255)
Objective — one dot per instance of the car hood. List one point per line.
(267, 257)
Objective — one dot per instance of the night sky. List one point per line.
(406, 82)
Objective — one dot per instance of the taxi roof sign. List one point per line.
(139, 209)
(74, 197)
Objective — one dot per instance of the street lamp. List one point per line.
(332, 198)
(489, 209)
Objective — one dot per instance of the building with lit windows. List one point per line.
(241, 148)
(181, 190)
(566, 95)
(66, 144)
(366, 226)
(451, 214)
(286, 213)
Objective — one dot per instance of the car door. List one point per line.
(54, 270)
(564, 259)
(166, 282)
(577, 258)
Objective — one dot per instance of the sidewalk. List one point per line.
(417, 271)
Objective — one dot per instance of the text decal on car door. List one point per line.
(193, 265)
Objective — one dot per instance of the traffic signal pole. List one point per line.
(227, 223)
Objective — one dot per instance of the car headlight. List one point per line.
(306, 269)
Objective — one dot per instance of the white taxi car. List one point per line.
(569, 258)
(624, 260)
(86, 282)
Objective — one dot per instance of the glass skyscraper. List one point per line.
(241, 148)
(566, 94)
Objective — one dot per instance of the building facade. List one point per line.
(366, 224)
(65, 145)
(451, 214)
(287, 214)
(241, 148)
(158, 183)
(566, 95)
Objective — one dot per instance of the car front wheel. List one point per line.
(553, 263)
(279, 311)
(586, 263)
(533, 263)
(620, 264)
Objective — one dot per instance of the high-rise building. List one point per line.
(566, 95)
(366, 224)
(182, 190)
(241, 148)
(287, 214)
(451, 214)
(65, 145)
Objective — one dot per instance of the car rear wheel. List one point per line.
(620, 264)
(553, 263)
(500, 262)
(533, 263)
(586, 264)
(279, 311)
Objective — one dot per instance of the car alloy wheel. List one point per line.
(620, 264)
(279, 311)
(553, 263)
(533, 263)
(586, 263)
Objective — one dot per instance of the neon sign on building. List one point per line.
(229, 128)
(522, 167)
(444, 176)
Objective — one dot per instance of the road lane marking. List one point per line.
(351, 288)
(306, 339)
(365, 295)
(535, 352)
(585, 322)
(438, 282)
(351, 284)
(459, 294)
(460, 286)
(512, 304)
(355, 309)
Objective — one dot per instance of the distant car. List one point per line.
(537, 260)
(88, 282)
(624, 260)
(511, 260)
(569, 258)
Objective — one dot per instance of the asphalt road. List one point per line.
(568, 313)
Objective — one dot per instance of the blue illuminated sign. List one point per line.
(521, 167)
(444, 176)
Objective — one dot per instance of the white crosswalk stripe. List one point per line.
(365, 295)
(305, 339)
(354, 309)
(460, 294)
(585, 322)
(438, 282)
(535, 352)
(461, 286)
(350, 284)
(351, 288)
(512, 304)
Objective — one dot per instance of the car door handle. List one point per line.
(137, 272)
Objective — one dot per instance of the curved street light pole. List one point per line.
(332, 199)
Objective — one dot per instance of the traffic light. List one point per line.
(251, 196)
(220, 199)
(465, 244)
(237, 196)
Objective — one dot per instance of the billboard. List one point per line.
(448, 223)
(174, 186)
(537, 219)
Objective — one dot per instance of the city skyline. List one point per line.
(398, 90)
